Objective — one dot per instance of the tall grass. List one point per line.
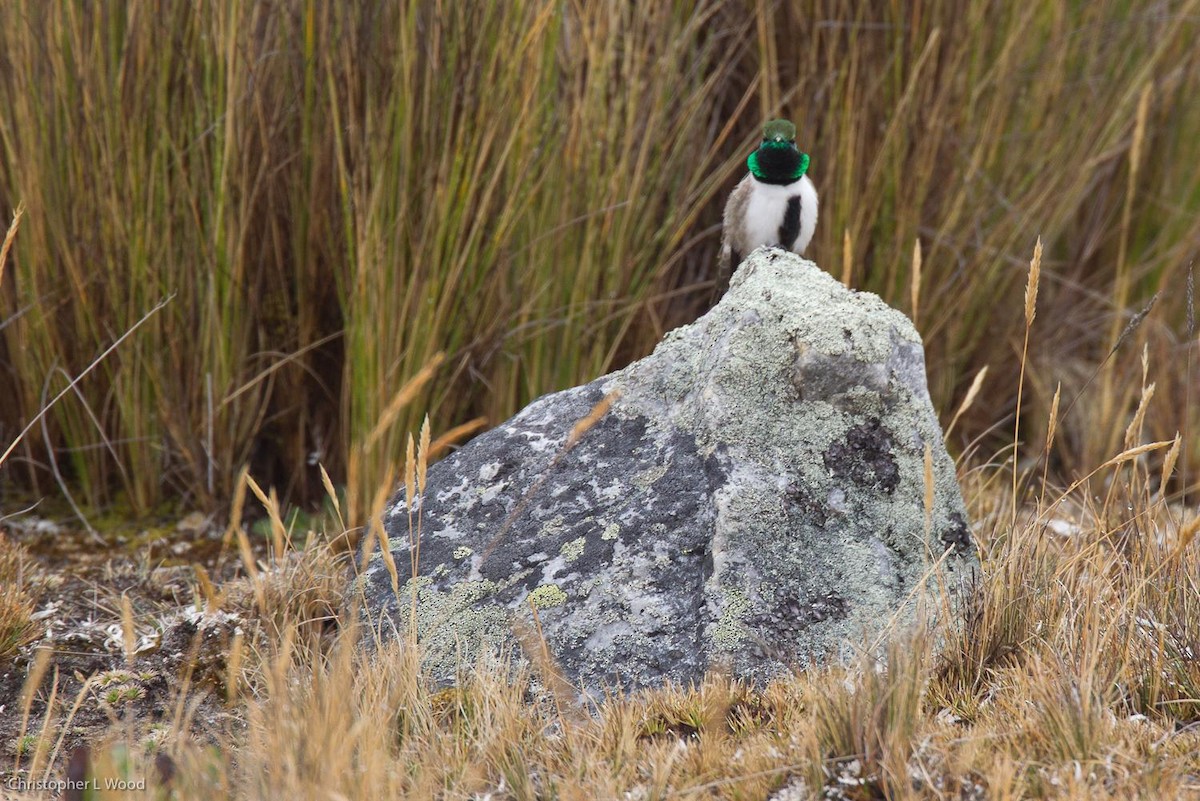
(1071, 675)
(515, 180)
(335, 193)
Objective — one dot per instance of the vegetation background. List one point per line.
(271, 236)
(332, 193)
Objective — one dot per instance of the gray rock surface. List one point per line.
(752, 501)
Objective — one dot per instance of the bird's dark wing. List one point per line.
(789, 229)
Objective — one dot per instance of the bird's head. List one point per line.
(779, 132)
(778, 160)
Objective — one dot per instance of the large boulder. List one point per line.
(754, 500)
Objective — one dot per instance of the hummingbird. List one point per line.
(775, 205)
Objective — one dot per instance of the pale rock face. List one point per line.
(752, 502)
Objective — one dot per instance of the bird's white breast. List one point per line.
(767, 207)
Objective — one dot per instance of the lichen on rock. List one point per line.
(754, 499)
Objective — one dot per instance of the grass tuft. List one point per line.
(22, 583)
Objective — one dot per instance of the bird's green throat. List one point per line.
(777, 163)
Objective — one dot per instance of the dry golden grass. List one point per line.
(528, 188)
(1071, 673)
(20, 588)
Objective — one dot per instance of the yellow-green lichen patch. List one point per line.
(611, 531)
(573, 550)
(728, 633)
(547, 596)
(553, 527)
(455, 624)
(462, 552)
(363, 581)
(648, 476)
